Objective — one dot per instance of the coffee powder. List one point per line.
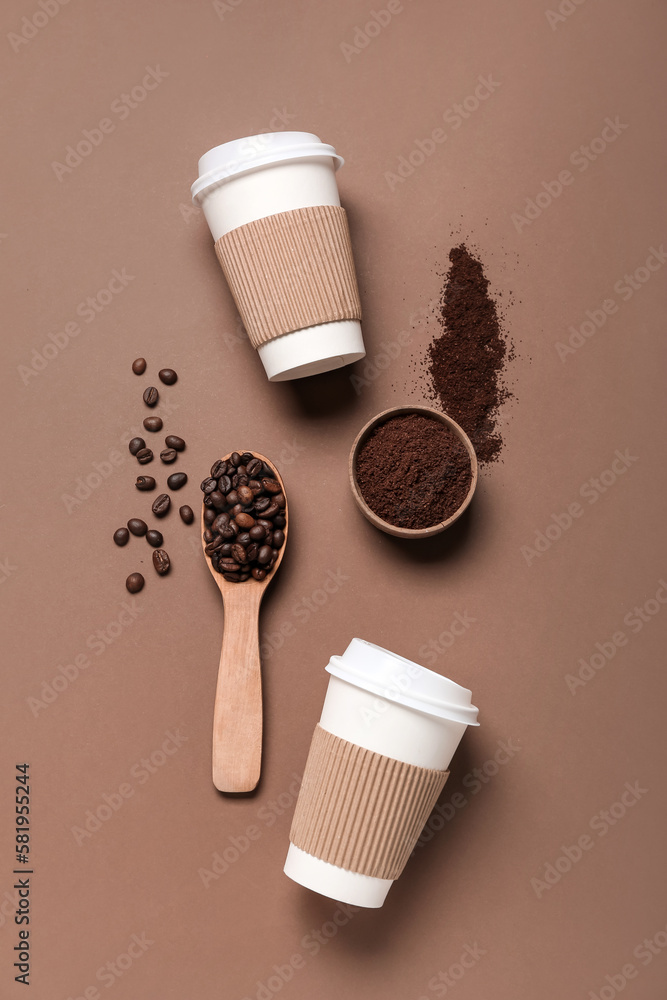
(465, 361)
(413, 472)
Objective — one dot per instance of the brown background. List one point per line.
(125, 206)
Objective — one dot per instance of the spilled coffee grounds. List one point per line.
(465, 362)
(413, 472)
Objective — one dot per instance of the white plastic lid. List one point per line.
(243, 155)
(396, 678)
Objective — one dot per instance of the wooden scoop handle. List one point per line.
(237, 718)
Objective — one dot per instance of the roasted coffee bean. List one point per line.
(232, 577)
(168, 455)
(235, 480)
(238, 553)
(217, 499)
(209, 516)
(151, 396)
(229, 564)
(134, 583)
(243, 538)
(145, 483)
(264, 554)
(236, 509)
(271, 510)
(135, 445)
(161, 505)
(220, 521)
(245, 520)
(161, 562)
(235, 459)
(229, 531)
(208, 535)
(176, 480)
(187, 514)
(244, 576)
(225, 549)
(258, 573)
(271, 486)
(121, 536)
(261, 503)
(224, 484)
(154, 538)
(211, 549)
(257, 533)
(137, 526)
(144, 456)
(218, 469)
(279, 521)
(251, 552)
(278, 539)
(207, 500)
(209, 485)
(255, 486)
(246, 457)
(279, 498)
(232, 498)
(245, 495)
(268, 527)
(253, 467)
(168, 376)
(173, 441)
(153, 423)
(139, 366)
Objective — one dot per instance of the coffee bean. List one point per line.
(245, 495)
(252, 552)
(151, 396)
(221, 521)
(253, 467)
(271, 486)
(257, 533)
(238, 553)
(208, 535)
(224, 484)
(187, 514)
(278, 539)
(121, 536)
(229, 531)
(144, 456)
(246, 457)
(207, 500)
(176, 480)
(264, 554)
(209, 485)
(154, 538)
(243, 538)
(135, 445)
(153, 423)
(232, 498)
(173, 441)
(218, 469)
(271, 510)
(229, 564)
(279, 498)
(255, 486)
(209, 516)
(261, 503)
(161, 505)
(258, 573)
(137, 526)
(235, 480)
(139, 366)
(279, 521)
(265, 524)
(168, 455)
(217, 500)
(145, 483)
(232, 577)
(161, 562)
(245, 520)
(168, 376)
(135, 583)
(235, 459)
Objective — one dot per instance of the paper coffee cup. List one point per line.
(378, 703)
(251, 181)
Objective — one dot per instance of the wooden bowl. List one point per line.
(362, 437)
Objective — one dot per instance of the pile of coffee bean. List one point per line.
(176, 481)
(245, 515)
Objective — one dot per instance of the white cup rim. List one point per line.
(460, 710)
(253, 152)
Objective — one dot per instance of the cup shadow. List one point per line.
(326, 394)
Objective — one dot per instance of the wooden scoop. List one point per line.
(237, 718)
